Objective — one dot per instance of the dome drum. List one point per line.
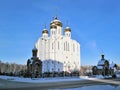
(53, 26)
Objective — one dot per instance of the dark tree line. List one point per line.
(11, 68)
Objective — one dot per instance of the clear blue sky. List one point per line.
(95, 25)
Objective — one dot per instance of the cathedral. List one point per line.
(56, 50)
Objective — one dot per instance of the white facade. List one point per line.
(58, 52)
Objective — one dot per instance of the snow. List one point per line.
(118, 75)
(112, 65)
(100, 67)
(41, 80)
(95, 87)
(99, 76)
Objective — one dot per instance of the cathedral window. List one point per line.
(52, 32)
(59, 31)
(68, 46)
(64, 46)
(58, 69)
(58, 44)
(52, 45)
(73, 47)
(69, 35)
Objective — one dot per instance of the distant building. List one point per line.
(58, 52)
(104, 67)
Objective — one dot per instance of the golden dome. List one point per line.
(53, 26)
(56, 22)
(45, 31)
(67, 29)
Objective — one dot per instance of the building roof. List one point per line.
(45, 31)
(101, 62)
(56, 21)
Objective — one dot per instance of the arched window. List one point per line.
(58, 31)
(52, 45)
(64, 46)
(68, 46)
(58, 44)
(73, 48)
(52, 32)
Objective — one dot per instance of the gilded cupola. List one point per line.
(45, 31)
(56, 22)
(67, 29)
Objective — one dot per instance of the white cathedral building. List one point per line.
(57, 51)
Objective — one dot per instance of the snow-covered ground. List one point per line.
(57, 79)
(62, 79)
(95, 87)
(41, 80)
(1, 84)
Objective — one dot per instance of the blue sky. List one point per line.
(95, 25)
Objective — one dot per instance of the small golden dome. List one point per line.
(45, 31)
(67, 29)
(56, 22)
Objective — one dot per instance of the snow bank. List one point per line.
(41, 80)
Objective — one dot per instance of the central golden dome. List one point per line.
(56, 22)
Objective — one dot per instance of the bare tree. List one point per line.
(11, 68)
